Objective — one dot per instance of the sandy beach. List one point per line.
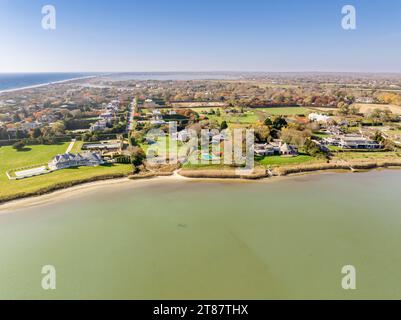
(69, 193)
(91, 187)
(45, 84)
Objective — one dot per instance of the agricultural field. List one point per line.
(11, 159)
(366, 108)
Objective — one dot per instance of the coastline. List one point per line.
(45, 84)
(63, 193)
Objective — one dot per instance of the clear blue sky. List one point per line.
(200, 35)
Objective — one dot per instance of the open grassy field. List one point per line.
(285, 111)
(280, 160)
(11, 159)
(249, 117)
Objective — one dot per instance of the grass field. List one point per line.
(11, 159)
(280, 160)
(232, 119)
(285, 111)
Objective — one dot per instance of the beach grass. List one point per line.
(375, 155)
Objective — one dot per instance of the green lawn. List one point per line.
(11, 159)
(285, 111)
(321, 135)
(280, 160)
(247, 118)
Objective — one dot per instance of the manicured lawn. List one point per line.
(10, 159)
(162, 147)
(247, 118)
(285, 111)
(321, 135)
(280, 160)
(334, 148)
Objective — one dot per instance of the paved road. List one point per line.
(130, 122)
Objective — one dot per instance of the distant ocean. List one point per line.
(20, 80)
(10, 81)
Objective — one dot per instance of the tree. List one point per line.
(223, 125)
(36, 133)
(279, 123)
(378, 137)
(294, 136)
(312, 148)
(262, 133)
(19, 145)
(268, 122)
(58, 128)
(137, 157)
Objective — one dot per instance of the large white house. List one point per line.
(358, 142)
(352, 141)
(318, 117)
(69, 160)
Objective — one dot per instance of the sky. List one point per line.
(200, 35)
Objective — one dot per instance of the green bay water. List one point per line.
(165, 239)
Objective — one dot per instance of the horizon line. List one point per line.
(201, 71)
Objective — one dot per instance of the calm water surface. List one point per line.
(21, 80)
(207, 239)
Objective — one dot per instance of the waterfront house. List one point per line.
(183, 135)
(98, 126)
(216, 139)
(104, 146)
(70, 160)
(318, 117)
(354, 141)
(263, 149)
(288, 150)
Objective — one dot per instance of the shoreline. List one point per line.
(45, 84)
(63, 193)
